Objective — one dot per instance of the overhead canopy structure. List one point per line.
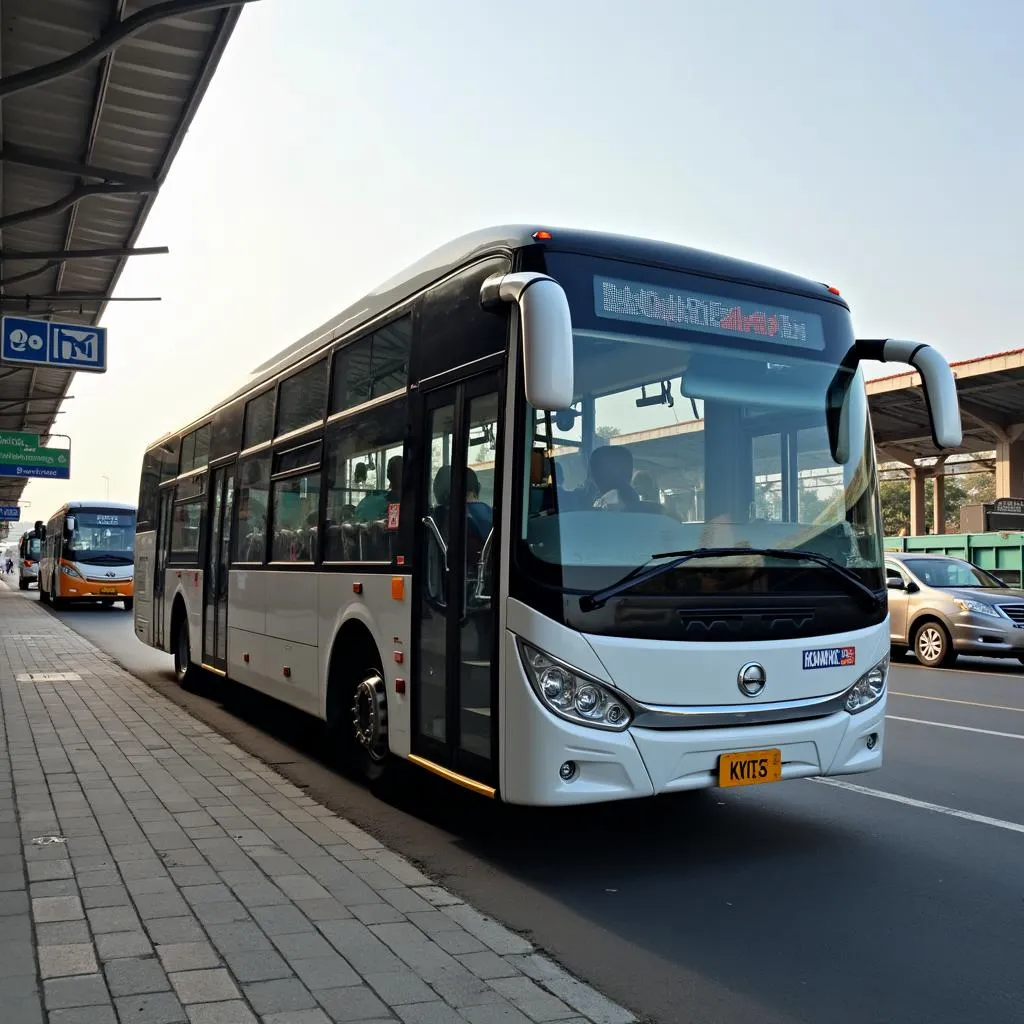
(991, 392)
(96, 97)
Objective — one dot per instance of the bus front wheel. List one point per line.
(129, 603)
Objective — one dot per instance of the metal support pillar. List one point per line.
(918, 521)
(1010, 469)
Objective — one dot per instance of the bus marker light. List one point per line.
(399, 657)
(399, 686)
(286, 672)
(397, 588)
(542, 236)
(833, 289)
(245, 657)
(357, 588)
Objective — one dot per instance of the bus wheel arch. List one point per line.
(357, 705)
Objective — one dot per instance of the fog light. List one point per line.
(872, 741)
(568, 771)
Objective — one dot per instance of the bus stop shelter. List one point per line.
(96, 97)
(991, 392)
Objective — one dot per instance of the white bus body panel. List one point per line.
(644, 762)
(388, 621)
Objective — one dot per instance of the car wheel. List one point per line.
(932, 645)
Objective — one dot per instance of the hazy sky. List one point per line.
(873, 145)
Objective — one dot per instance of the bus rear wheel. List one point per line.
(184, 668)
(357, 715)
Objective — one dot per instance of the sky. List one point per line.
(876, 146)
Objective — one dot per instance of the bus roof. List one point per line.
(85, 505)
(508, 239)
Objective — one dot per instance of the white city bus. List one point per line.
(559, 516)
(88, 554)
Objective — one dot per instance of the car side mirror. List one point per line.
(895, 584)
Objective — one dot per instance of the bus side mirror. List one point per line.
(69, 526)
(936, 376)
(547, 334)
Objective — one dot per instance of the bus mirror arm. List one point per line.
(939, 384)
(546, 329)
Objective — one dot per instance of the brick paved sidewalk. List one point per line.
(151, 872)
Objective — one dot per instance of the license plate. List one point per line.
(108, 590)
(750, 768)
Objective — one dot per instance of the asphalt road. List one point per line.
(898, 900)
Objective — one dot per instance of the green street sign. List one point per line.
(22, 455)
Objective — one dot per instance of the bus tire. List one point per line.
(185, 670)
(129, 603)
(23, 584)
(357, 706)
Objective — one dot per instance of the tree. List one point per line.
(961, 489)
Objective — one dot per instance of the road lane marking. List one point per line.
(960, 728)
(983, 672)
(980, 819)
(950, 700)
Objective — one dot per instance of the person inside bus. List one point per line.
(479, 515)
(375, 505)
(645, 487)
(611, 472)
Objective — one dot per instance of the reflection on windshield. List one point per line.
(950, 572)
(699, 447)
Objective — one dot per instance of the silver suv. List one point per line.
(941, 607)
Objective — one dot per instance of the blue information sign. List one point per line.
(9, 513)
(65, 346)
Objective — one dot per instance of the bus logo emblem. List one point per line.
(751, 679)
(830, 657)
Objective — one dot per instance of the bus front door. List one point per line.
(456, 665)
(215, 578)
(163, 547)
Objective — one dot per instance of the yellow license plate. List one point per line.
(108, 590)
(750, 768)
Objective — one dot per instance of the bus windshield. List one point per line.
(712, 436)
(102, 538)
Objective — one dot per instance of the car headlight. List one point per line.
(965, 604)
(70, 570)
(572, 695)
(868, 689)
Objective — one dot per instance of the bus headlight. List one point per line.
(70, 570)
(572, 695)
(868, 689)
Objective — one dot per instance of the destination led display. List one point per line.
(634, 302)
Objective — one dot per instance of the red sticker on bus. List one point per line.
(393, 510)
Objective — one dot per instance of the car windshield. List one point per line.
(681, 440)
(950, 572)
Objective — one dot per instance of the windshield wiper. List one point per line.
(642, 574)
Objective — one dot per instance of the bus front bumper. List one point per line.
(78, 589)
(646, 762)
